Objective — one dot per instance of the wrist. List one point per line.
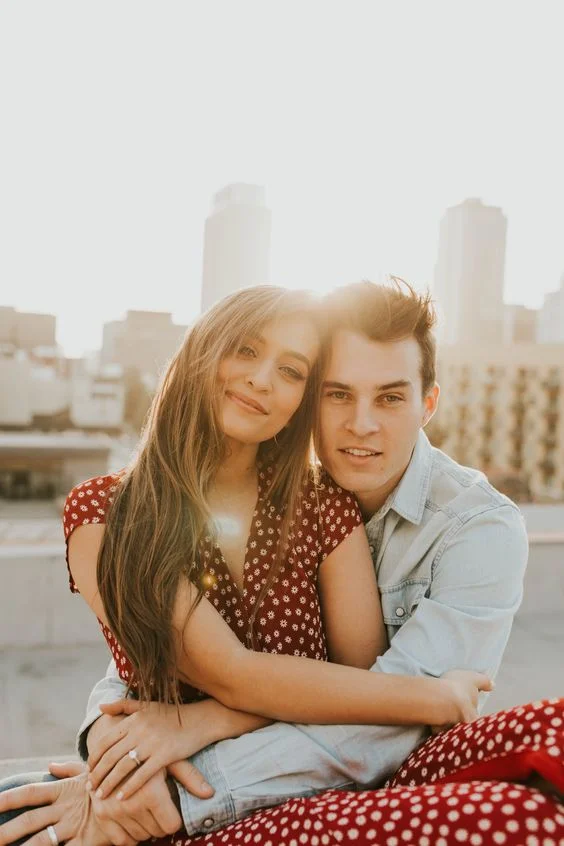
(451, 704)
(214, 717)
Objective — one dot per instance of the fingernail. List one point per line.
(88, 786)
(99, 793)
(119, 794)
(207, 787)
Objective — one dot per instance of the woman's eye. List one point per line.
(292, 373)
(338, 395)
(246, 350)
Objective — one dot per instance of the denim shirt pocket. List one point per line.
(400, 601)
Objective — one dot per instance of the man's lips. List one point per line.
(360, 452)
(246, 402)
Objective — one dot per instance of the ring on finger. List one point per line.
(52, 834)
(134, 755)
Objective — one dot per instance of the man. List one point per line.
(450, 554)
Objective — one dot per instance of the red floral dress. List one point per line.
(289, 618)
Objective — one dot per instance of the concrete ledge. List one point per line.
(15, 766)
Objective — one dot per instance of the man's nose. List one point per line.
(363, 420)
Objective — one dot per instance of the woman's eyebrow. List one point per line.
(294, 353)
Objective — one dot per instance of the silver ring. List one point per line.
(52, 835)
(134, 757)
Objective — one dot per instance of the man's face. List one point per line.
(371, 411)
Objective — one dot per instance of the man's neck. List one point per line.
(372, 501)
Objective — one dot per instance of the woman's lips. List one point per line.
(246, 403)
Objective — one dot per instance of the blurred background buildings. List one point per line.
(501, 369)
(236, 242)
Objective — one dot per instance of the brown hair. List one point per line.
(387, 312)
(160, 512)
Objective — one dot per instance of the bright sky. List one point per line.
(119, 119)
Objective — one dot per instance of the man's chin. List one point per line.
(354, 478)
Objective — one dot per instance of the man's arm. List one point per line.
(109, 689)
(475, 591)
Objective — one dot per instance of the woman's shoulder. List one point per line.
(325, 490)
(88, 502)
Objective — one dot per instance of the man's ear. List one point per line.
(431, 401)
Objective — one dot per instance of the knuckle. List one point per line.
(172, 826)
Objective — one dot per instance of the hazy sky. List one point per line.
(119, 119)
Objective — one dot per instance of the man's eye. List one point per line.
(392, 399)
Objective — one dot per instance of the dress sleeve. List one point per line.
(338, 515)
(88, 502)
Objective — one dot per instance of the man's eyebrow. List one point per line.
(400, 383)
(339, 385)
(294, 353)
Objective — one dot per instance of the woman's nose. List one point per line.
(260, 377)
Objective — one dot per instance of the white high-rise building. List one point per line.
(550, 323)
(469, 273)
(236, 242)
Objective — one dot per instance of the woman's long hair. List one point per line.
(160, 511)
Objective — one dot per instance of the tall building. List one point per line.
(236, 242)
(469, 273)
(550, 326)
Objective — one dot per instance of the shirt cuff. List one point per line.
(205, 815)
(82, 735)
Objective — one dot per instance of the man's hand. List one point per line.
(150, 812)
(64, 804)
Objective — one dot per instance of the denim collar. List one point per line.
(410, 495)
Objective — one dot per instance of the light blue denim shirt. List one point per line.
(450, 555)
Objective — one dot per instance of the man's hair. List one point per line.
(387, 312)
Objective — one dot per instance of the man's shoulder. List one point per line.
(463, 492)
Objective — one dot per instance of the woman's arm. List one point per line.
(284, 687)
(303, 690)
(350, 603)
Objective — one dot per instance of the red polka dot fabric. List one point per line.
(511, 745)
(474, 813)
(289, 618)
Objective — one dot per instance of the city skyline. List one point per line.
(108, 171)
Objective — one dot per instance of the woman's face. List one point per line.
(262, 383)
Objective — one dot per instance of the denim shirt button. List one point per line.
(400, 612)
(208, 822)
(371, 548)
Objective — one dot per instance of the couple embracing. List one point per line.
(288, 625)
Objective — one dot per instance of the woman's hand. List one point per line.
(154, 732)
(465, 687)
